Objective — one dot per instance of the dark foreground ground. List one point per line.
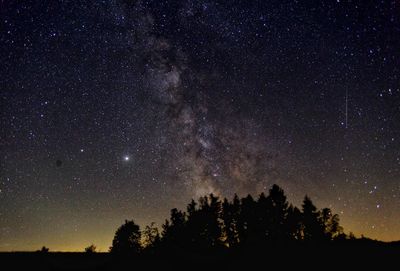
(381, 257)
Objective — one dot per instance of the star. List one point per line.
(126, 158)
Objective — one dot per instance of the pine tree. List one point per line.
(312, 228)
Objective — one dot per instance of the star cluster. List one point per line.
(125, 109)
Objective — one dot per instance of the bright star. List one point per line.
(126, 158)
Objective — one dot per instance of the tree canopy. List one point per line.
(213, 224)
(127, 239)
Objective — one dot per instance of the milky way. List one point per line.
(113, 110)
(213, 150)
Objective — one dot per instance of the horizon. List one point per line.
(103, 248)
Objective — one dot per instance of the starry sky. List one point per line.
(120, 109)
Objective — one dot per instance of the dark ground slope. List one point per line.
(382, 256)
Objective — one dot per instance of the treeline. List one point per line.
(212, 225)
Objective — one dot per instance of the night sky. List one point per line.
(114, 110)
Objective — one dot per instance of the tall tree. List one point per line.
(277, 212)
(127, 239)
(214, 226)
(230, 216)
(204, 226)
(294, 223)
(313, 230)
(151, 238)
(248, 221)
(174, 231)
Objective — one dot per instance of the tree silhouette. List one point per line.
(44, 249)
(90, 249)
(127, 239)
(203, 226)
(263, 218)
(151, 238)
(247, 221)
(277, 214)
(211, 209)
(313, 230)
(209, 226)
(330, 222)
(174, 234)
(230, 218)
(194, 226)
(294, 225)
